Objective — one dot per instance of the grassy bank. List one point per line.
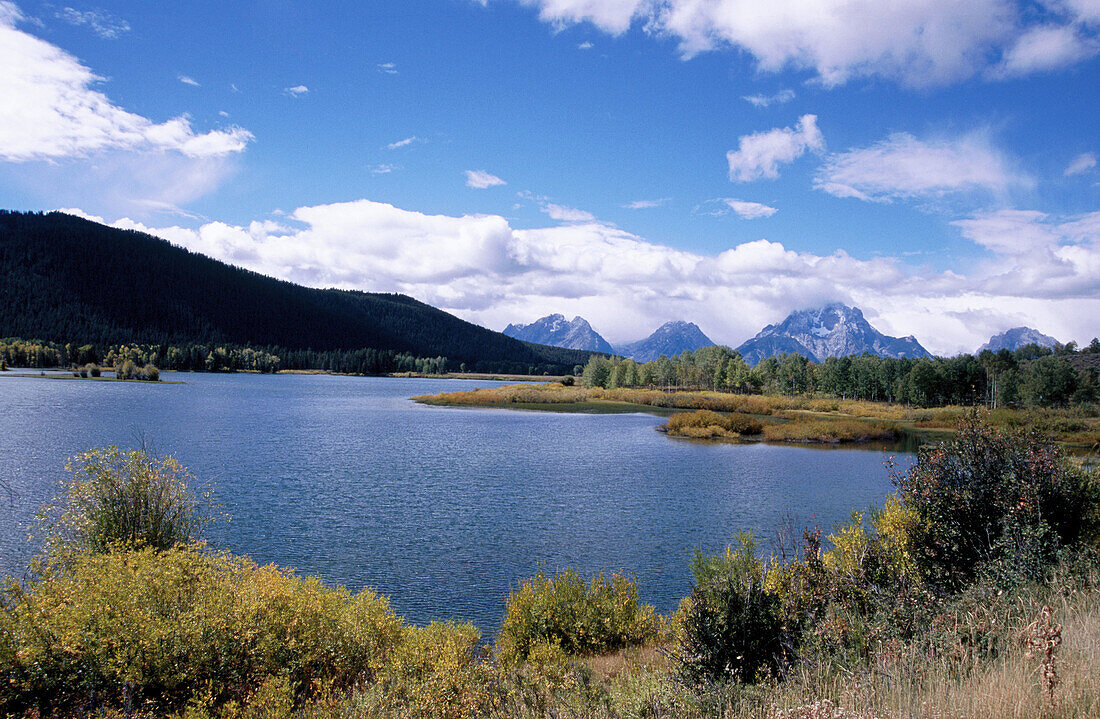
(789, 419)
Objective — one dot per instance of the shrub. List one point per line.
(433, 672)
(123, 498)
(705, 423)
(730, 627)
(150, 373)
(162, 629)
(986, 495)
(581, 617)
(93, 370)
(126, 370)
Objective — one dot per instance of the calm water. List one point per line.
(441, 509)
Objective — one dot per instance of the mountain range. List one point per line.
(669, 339)
(1016, 338)
(69, 280)
(835, 330)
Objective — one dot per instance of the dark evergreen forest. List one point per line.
(70, 281)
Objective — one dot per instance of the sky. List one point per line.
(725, 162)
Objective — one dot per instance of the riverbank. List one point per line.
(783, 419)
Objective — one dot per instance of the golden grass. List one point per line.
(862, 421)
(804, 429)
(705, 424)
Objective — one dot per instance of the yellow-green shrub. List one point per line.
(169, 626)
(705, 423)
(434, 672)
(580, 617)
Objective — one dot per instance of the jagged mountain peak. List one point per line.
(556, 331)
(1017, 337)
(832, 330)
(670, 339)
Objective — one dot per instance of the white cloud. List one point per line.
(586, 45)
(903, 166)
(296, 91)
(1043, 48)
(566, 214)
(1082, 163)
(646, 204)
(480, 179)
(382, 169)
(387, 68)
(748, 210)
(187, 80)
(767, 100)
(917, 42)
(405, 142)
(760, 154)
(60, 115)
(480, 268)
(103, 24)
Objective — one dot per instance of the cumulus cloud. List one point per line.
(480, 180)
(917, 42)
(768, 100)
(296, 91)
(760, 154)
(60, 115)
(586, 45)
(903, 166)
(1081, 164)
(103, 24)
(387, 68)
(482, 269)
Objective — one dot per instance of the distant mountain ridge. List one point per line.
(1016, 338)
(670, 339)
(555, 331)
(834, 330)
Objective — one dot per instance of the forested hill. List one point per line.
(69, 280)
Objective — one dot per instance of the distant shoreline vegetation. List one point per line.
(842, 400)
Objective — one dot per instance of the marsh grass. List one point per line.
(1078, 427)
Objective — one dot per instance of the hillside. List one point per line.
(66, 279)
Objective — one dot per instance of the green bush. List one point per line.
(124, 498)
(150, 373)
(730, 628)
(990, 497)
(164, 629)
(580, 617)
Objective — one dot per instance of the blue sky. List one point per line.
(632, 161)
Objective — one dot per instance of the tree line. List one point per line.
(15, 352)
(1030, 376)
